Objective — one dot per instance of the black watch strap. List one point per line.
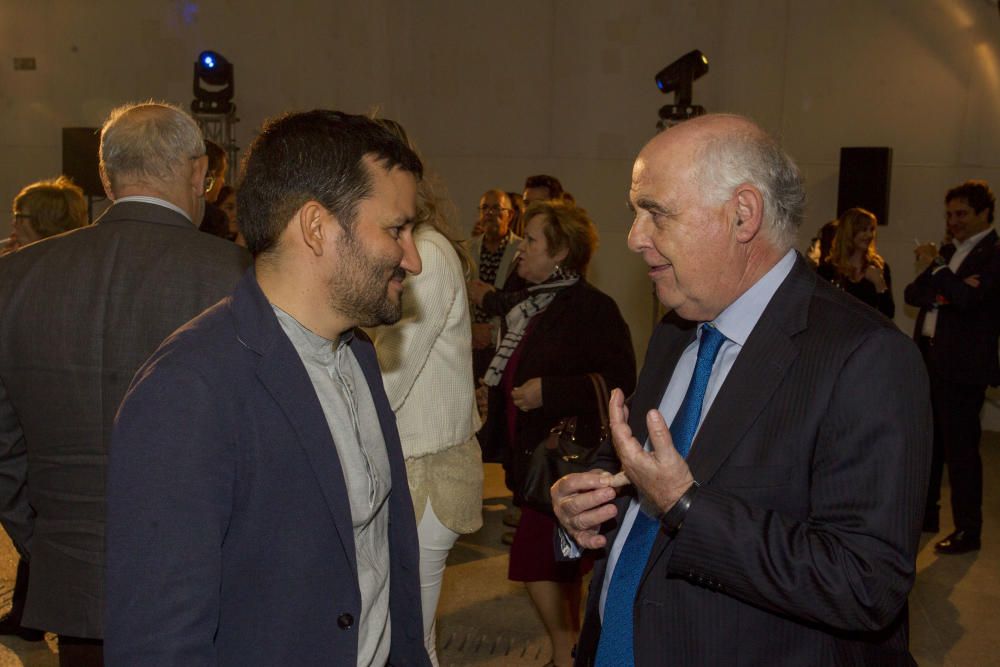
(674, 517)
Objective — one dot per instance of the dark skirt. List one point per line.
(533, 553)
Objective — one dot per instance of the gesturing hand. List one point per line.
(477, 289)
(661, 475)
(582, 502)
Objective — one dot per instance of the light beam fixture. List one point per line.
(213, 84)
(678, 78)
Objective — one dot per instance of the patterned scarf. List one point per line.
(517, 319)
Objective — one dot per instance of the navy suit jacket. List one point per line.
(968, 320)
(800, 547)
(230, 539)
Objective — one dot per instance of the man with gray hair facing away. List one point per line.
(78, 314)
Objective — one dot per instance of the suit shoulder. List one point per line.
(587, 291)
(839, 321)
(203, 340)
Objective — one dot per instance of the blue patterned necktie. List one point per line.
(615, 648)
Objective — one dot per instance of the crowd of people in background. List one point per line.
(308, 450)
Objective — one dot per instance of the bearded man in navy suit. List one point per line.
(258, 510)
(773, 515)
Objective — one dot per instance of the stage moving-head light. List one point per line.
(678, 78)
(213, 84)
(208, 60)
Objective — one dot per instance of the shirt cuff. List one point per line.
(568, 548)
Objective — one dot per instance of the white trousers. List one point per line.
(436, 541)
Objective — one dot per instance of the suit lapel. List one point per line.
(664, 351)
(283, 374)
(656, 372)
(972, 263)
(759, 370)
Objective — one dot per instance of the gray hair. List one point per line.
(748, 156)
(147, 142)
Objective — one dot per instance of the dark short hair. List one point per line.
(567, 226)
(225, 192)
(315, 155)
(545, 181)
(977, 194)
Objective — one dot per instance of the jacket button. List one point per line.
(345, 621)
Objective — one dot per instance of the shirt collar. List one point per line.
(741, 316)
(317, 346)
(156, 201)
(970, 243)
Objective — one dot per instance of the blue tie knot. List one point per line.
(711, 340)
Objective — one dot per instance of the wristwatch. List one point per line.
(674, 517)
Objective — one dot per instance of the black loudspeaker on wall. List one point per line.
(865, 179)
(80, 147)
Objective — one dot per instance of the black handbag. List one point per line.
(564, 451)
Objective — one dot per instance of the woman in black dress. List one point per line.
(854, 264)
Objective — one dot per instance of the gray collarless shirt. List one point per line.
(350, 413)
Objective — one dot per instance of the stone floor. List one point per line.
(486, 620)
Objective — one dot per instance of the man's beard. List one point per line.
(360, 288)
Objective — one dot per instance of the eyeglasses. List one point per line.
(21, 216)
(493, 209)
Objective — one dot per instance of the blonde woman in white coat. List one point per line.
(426, 361)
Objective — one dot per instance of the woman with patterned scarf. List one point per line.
(556, 332)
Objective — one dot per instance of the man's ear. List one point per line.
(198, 174)
(316, 226)
(749, 205)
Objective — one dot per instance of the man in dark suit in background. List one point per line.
(258, 510)
(79, 313)
(789, 534)
(958, 294)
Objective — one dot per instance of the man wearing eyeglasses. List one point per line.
(493, 252)
(79, 313)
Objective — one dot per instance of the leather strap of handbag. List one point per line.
(601, 391)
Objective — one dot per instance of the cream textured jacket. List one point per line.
(426, 361)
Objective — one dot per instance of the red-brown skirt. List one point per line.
(533, 556)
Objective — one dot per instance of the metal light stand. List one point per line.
(221, 128)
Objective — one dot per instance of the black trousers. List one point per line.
(957, 431)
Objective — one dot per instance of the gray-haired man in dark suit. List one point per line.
(79, 313)
(777, 520)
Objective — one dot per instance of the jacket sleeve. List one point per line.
(15, 512)
(955, 293)
(171, 479)
(850, 563)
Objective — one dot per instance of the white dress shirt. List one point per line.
(962, 251)
(153, 200)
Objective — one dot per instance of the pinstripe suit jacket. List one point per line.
(800, 548)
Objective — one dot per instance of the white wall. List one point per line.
(493, 91)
